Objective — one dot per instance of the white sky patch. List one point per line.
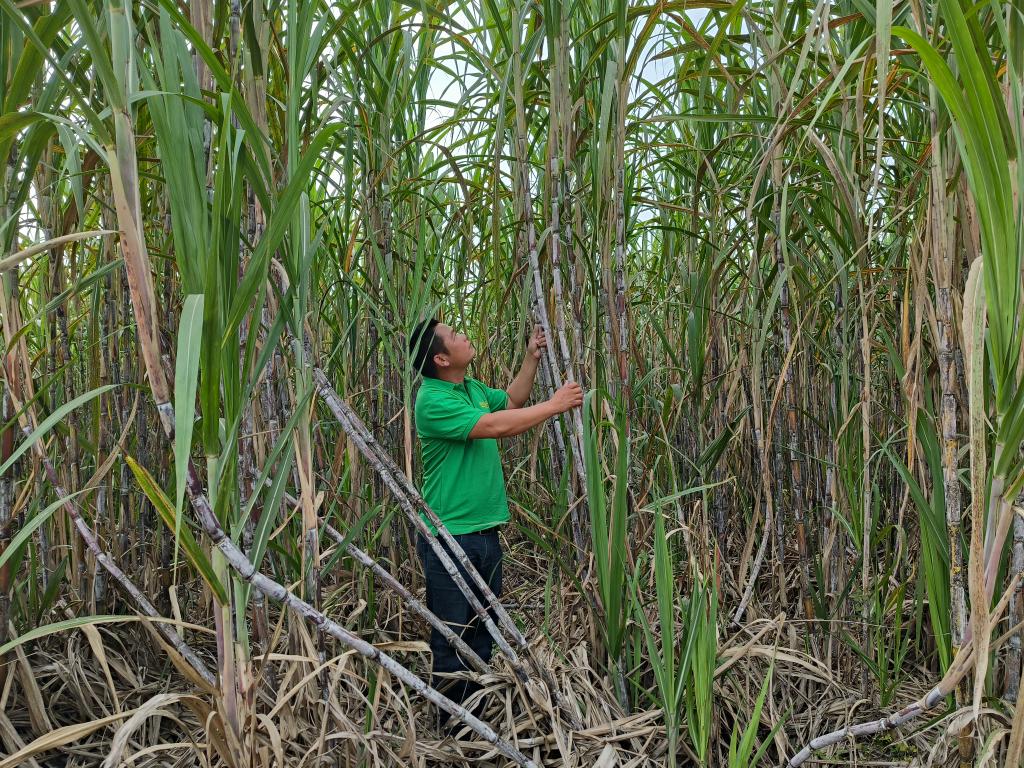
(444, 88)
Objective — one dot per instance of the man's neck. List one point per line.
(452, 376)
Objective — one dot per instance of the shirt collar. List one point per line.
(442, 384)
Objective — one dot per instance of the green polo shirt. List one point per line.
(462, 478)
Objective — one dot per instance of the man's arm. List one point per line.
(519, 390)
(514, 422)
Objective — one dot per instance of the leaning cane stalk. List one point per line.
(142, 292)
(393, 478)
(399, 589)
(409, 499)
(277, 592)
(107, 562)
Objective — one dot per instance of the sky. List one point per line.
(443, 87)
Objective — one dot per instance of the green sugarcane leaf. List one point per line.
(186, 377)
(22, 537)
(14, 122)
(185, 539)
(52, 420)
(750, 732)
(280, 222)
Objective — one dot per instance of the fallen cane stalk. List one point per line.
(275, 591)
(381, 573)
(394, 584)
(408, 498)
(957, 670)
(127, 585)
(386, 466)
(110, 566)
(136, 260)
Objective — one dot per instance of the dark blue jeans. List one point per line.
(447, 602)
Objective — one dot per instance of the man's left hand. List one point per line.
(537, 342)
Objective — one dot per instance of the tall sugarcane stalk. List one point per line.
(556, 368)
(791, 436)
(943, 249)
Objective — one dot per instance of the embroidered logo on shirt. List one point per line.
(483, 405)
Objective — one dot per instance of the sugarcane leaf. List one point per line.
(36, 248)
(61, 626)
(186, 377)
(52, 420)
(22, 536)
(14, 122)
(183, 534)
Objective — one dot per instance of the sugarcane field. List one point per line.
(489, 383)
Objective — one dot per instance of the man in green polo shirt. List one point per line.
(459, 420)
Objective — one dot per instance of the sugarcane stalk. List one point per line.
(278, 593)
(1013, 670)
(866, 509)
(576, 512)
(395, 585)
(8, 232)
(524, 199)
(792, 435)
(961, 665)
(942, 249)
(555, 434)
(557, 145)
(6, 511)
(394, 479)
(110, 565)
(409, 498)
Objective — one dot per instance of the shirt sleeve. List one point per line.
(497, 399)
(446, 418)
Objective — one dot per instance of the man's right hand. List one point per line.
(568, 396)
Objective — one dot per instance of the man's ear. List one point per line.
(441, 361)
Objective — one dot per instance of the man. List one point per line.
(458, 420)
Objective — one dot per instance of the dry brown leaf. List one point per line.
(275, 738)
(59, 737)
(153, 707)
(92, 634)
(12, 740)
(36, 708)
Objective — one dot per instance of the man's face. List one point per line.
(460, 350)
